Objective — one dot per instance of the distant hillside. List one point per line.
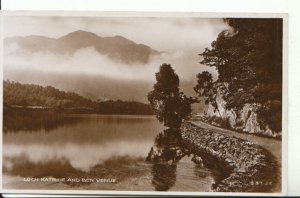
(124, 107)
(116, 48)
(18, 94)
(35, 96)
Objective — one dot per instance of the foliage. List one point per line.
(124, 108)
(218, 121)
(271, 113)
(206, 89)
(35, 96)
(169, 104)
(248, 58)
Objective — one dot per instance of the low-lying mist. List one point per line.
(97, 76)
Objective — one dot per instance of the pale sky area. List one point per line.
(182, 39)
(162, 34)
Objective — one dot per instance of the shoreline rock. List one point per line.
(247, 167)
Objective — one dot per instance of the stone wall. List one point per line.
(247, 167)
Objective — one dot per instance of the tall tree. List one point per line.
(169, 104)
(248, 58)
(206, 89)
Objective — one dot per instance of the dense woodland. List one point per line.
(248, 58)
(35, 96)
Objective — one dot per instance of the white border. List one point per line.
(163, 14)
(262, 6)
(1, 98)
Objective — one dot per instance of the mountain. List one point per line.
(117, 48)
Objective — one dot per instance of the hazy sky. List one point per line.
(159, 33)
(182, 39)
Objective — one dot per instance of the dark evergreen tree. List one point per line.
(169, 104)
(206, 89)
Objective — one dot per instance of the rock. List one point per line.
(243, 160)
(245, 120)
(197, 160)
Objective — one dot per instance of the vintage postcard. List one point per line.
(144, 103)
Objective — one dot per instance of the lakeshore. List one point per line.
(247, 166)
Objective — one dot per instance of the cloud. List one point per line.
(90, 62)
(74, 153)
(181, 40)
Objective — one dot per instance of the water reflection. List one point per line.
(96, 146)
(115, 169)
(41, 143)
(167, 147)
(164, 176)
(167, 151)
(31, 120)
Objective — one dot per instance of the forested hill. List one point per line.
(36, 96)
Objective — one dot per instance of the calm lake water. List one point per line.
(104, 152)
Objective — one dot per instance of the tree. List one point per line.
(207, 90)
(248, 58)
(169, 104)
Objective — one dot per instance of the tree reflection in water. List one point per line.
(165, 154)
(33, 120)
(164, 176)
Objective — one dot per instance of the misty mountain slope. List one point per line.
(36, 96)
(98, 68)
(117, 48)
(31, 43)
(95, 87)
(32, 95)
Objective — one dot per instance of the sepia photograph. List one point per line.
(143, 103)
